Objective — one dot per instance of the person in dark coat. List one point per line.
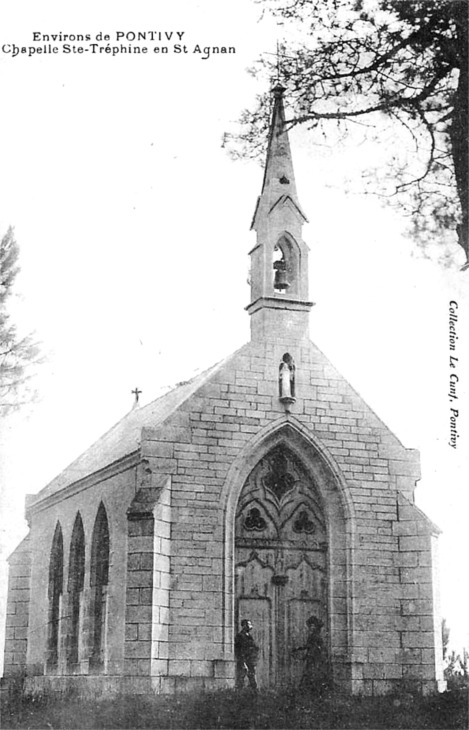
(246, 653)
(315, 677)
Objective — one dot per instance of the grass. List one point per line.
(229, 709)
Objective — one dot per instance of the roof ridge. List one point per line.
(108, 448)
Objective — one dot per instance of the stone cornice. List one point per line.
(36, 503)
(279, 303)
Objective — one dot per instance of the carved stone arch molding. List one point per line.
(307, 558)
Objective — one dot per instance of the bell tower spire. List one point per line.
(279, 260)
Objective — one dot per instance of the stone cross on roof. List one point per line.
(136, 393)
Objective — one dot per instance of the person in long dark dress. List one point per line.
(315, 677)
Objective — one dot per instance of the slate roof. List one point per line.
(124, 437)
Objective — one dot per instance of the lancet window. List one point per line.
(56, 569)
(76, 577)
(99, 579)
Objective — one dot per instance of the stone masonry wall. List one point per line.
(171, 582)
(115, 492)
(390, 637)
(148, 583)
(17, 616)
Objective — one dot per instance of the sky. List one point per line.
(133, 226)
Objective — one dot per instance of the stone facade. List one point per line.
(181, 529)
(17, 618)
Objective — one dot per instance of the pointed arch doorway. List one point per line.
(281, 551)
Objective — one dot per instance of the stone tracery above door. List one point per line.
(279, 502)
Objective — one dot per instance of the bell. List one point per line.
(280, 278)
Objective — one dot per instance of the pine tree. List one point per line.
(399, 70)
(18, 355)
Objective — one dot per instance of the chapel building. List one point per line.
(264, 488)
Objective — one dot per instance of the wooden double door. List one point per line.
(280, 563)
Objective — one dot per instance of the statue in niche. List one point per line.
(287, 379)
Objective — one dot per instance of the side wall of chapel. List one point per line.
(114, 493)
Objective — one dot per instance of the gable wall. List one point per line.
(387, 638)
